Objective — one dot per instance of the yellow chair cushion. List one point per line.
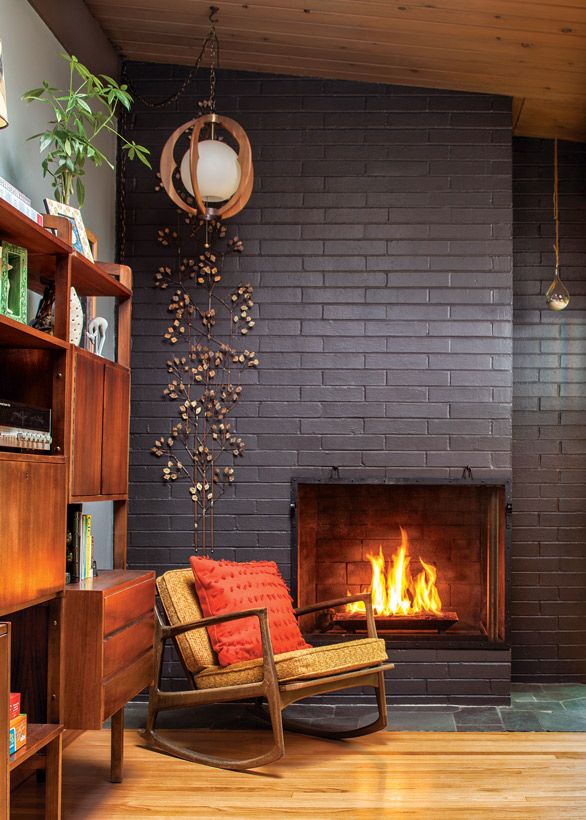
(177, 592)
(302, 664)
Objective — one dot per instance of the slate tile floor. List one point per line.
(534, 708)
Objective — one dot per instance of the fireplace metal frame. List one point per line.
(445, 640)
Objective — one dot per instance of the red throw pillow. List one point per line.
(229, 586)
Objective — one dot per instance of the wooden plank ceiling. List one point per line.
(531, 50)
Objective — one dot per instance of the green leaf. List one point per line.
(83, 105)
(80, 191)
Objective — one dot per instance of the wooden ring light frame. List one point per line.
(168, 167)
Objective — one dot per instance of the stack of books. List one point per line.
(80, 548)
(19, 201)
(17, 724)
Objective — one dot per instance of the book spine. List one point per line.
(21, 206)
(75, 548)
(88, 557)
(14, 191)
(82, 549)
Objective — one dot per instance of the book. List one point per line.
(14, 191)
(21, 206)
(14, 705)
(17, 737)
(80, 550)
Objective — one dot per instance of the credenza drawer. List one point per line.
(127, 604)
(120, 688)
(124, 646)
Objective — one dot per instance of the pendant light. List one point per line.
(557, 296)
(217, 178)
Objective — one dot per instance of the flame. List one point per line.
(394, 589)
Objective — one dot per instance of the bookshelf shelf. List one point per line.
(20, 230)
(38, 735)
(33, 458)
(90, 280)
(17, 335)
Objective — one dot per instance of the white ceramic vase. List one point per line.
(75, 318)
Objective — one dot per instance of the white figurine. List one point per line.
(97, 333)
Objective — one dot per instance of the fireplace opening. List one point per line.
(433, 554)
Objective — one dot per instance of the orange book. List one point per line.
(17, 733)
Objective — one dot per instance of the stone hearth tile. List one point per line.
(488, 727)
(478, 716)
(561, 691)
(577, 704)
(544, 706)
(420, 721)
(444, 708)
(523, 697)
(520, 720)
(561, 721)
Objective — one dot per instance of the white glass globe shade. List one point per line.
(218, 171)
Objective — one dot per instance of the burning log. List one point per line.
(400, 600)
(421, 622)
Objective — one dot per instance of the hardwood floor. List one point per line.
(402, 775)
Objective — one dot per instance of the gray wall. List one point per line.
(549, 444)
(31, 55)
(378, 239)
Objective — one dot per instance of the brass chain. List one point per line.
(556, 211)
(211, 42)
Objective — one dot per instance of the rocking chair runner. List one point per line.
(280, 679)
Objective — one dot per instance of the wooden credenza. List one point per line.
(109, 628)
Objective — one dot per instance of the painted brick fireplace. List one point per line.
(459, 528)
(379, 241)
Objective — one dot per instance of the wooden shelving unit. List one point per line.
(16, 335)
(44, 370)
(39, 735)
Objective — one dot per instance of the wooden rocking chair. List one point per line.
(280, 679)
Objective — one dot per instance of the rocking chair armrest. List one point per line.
(365, 597)
(180, 629)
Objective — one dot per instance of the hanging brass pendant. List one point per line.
(557, 296)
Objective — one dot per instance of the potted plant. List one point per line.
(86, 109)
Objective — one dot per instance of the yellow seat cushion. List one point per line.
(177, 592)
(302, 664)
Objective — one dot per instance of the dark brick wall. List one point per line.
(549, 442)
(379, 243)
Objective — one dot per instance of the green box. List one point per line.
(13, 282)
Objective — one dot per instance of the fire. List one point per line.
(394, 589)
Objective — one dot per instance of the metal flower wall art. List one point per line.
(204, 370)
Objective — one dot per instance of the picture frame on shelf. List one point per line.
(13, 282)
(79, 241)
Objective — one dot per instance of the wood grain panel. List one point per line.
(97, 671)
(32, 531)
(532, 51)
(398, 775)
(128, 604)
(87, 424)
(115, 430)
(122, 648)
(120, 688)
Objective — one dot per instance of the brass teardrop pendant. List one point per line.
(557, 296)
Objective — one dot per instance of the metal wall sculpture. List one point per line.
(207, 326)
